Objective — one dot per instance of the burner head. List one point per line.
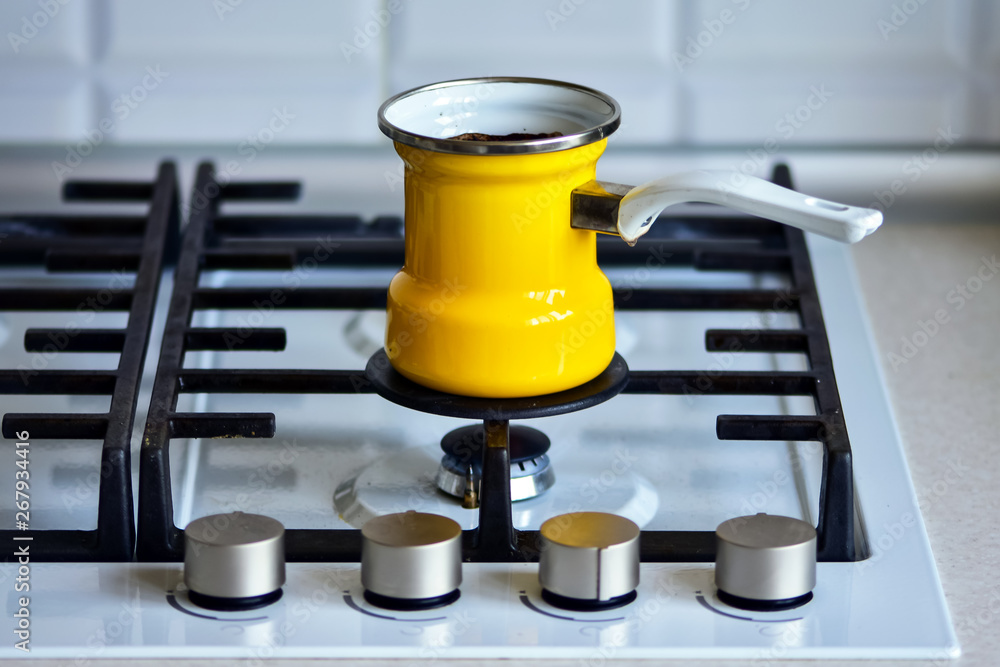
(530, 470)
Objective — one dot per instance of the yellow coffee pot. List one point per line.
(500, 294)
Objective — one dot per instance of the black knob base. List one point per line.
(233, 604)
(764, 605)
(417, 604)
(576, 604)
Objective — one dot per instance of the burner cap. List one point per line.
(530, 470)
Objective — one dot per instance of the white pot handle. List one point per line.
(641, 206)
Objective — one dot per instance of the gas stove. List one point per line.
(736, 394)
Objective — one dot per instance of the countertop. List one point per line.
(946, 395)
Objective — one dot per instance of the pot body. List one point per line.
(499, 297)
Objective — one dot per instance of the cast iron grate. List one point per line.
(97, 244)
(215, 241)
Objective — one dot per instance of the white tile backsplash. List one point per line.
(231, 30)
(44, 104)
(987, 53)
(590, 32)
(715, 72)
(189, 105)
(805, 110)
(45, 31)
(848, 34)
(991, 129)
(988, 31)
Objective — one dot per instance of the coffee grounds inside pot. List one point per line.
(515, 136)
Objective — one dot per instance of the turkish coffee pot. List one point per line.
(500, 294)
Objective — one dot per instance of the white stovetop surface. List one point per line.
(957, 371)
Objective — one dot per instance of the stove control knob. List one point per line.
(765, 562)
(411, 561)
(234, 561)
(589, 561)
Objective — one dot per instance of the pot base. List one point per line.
(393, 386)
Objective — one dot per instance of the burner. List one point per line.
(530, 470)
(406, 479)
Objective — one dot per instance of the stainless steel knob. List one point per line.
(234, 561)
(765, 562)
(589, 561)
(411, 560)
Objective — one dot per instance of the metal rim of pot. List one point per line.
(608, 123)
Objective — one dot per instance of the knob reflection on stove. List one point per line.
(589, 561)
(530, 469)
(411, 561)
(765, 562)
(235, 561)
